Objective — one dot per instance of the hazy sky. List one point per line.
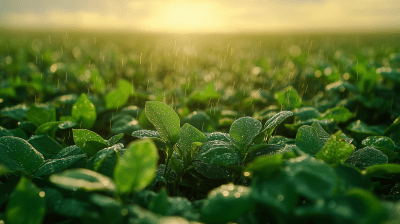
(202, 15)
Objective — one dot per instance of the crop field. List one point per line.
(222, 128)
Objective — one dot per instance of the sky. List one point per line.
(179, 16)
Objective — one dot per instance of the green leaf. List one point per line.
(367, 156)
(236, 198)
(47, 146)
(154, 135)
(243, 131)
(338, 114)
(57, 165)
(382, 169)
(274, 121)
(39, 116)
(312, 178)
(361, 130)
(137, 167)
(212, 171)
(17, 112)
(351, 177)
(199, 120)
(111, 209)
(46, 127)
(125, 125)
(116, 99)
(288, 98)
(265, 165)
(84, 112)
(336, 150)
(27, 204)
(217, 153)
(307, 140)
(97, 160)
(165, 120)
(114, 139)
(276, 191)
(83, 179)
(306, 113)
(188, 136)
(88, 141)
(378, 141)
(21, 152)
(218, 136)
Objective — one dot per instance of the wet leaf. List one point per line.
(274, 121)
(57, 165)
(39, 116)
(88, 141)
(382, 169)
(307, 140)
(217, 153)
(367, 156)
(137, 167)
(188, 136)
(154, 135)
(236, 198)
(243, 131)
(288, 98)
(351, 177)
(17, 112)
(165, 120)
(336, 150)
(199, 120)
(312, 178)
(47, 127)
(306, 113)
(218, 136)
(47, 146)
(125, 125)
(83, 179)
(265, 165)
(338, 114)
(114, 139)
(212, 171)
(378, 141)
(84, 112)
(27, 204)
(21, 152)
(361, 130)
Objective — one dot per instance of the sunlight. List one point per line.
(182, 17)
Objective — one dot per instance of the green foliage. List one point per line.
(136, 169)
(336, 150)
(83, 112)
(288, 98)
(26, 204)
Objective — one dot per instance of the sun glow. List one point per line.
(182, 17)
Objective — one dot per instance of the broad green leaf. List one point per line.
(382, 169)
(288, 98)
(72, 150)
(188, 136)
(83, 179)
(218, 136)
(274, 121)
(265, 165)
(73, 208)
(393, 128)
(217, 153)
(21, 152)
(5, 132)
(264, 149)
(236, 198)
(154, 135)
(212, 171)
(351, 177)
(307, 140)
(306, 113)
(361, 130)
(338, 114)
(111, 209)
(275, 191)
(159, 204)
(84, 112)
(114, 139)
(125, 125)
(312, 178)
(116, 99)
(39, 116)
(336, 150)
(47, 146)
(88, 141)
(26, 205)
(57, 165)
(378, 141)
(47, 127)
(367, 156)
(165, 120)
(137, 167)
(17, 112)
(97, 160)
(199, 120)
(243, 131)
